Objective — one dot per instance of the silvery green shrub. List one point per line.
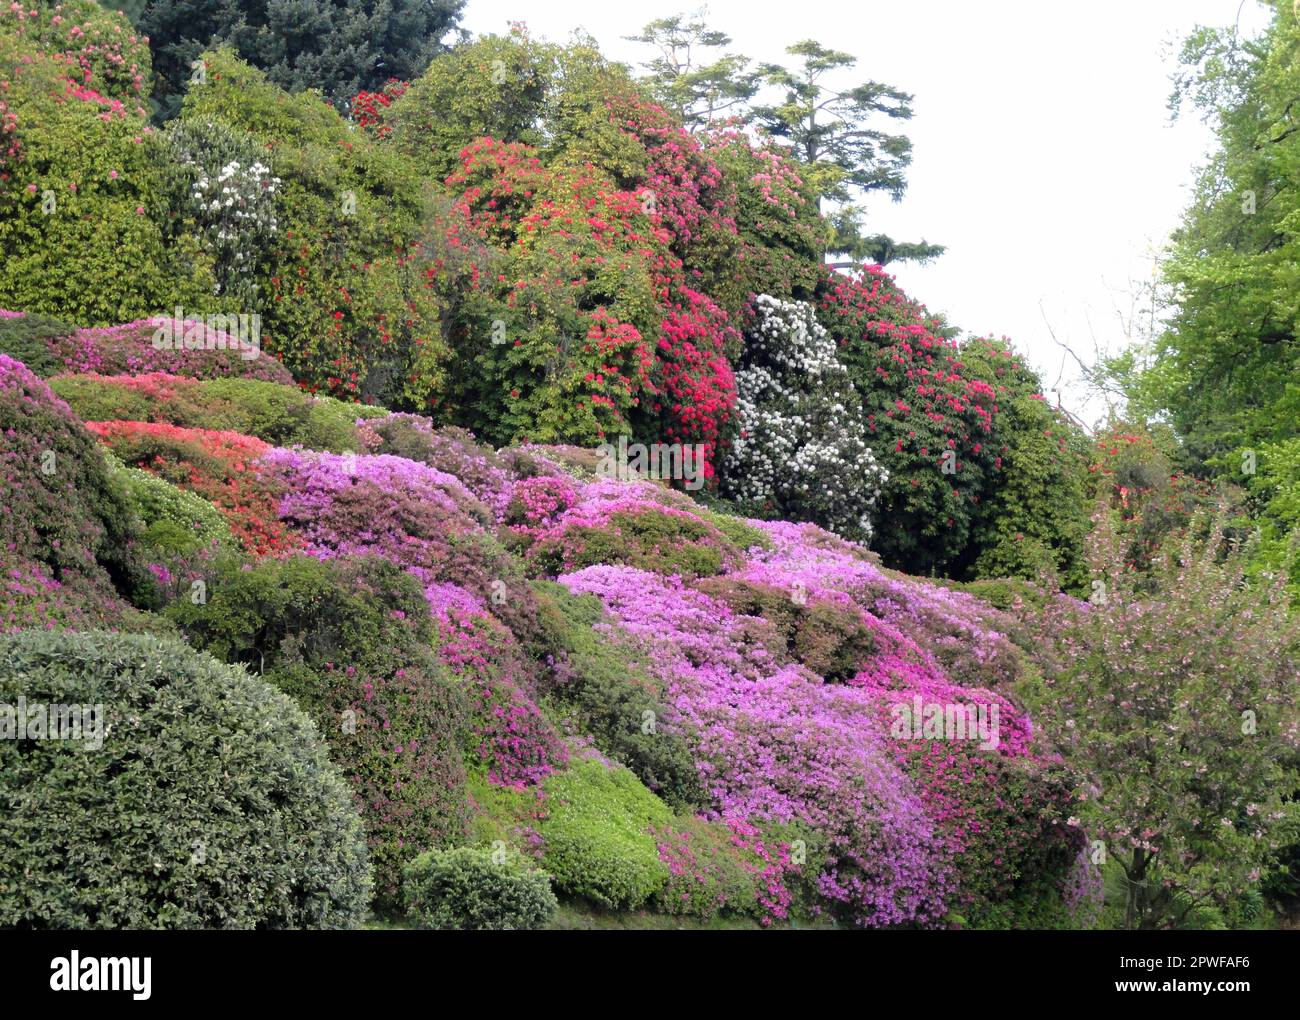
(210, 801)
(477, 888)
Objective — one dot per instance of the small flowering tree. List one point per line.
(799, 448)
(930, 418)
(1180, 706)
(227, 195)
(368, 108)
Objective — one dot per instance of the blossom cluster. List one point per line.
(130, 349)
(800, 450)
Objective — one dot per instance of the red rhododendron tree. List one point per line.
(929, 418)
(368, 107)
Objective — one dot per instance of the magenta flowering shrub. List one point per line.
(917, 831)
(453, 450)
(98, 49)
(344, 504)
(707, 870)
(66, 536)
(411, 514)
(513, 741)
(536, 504)
(948, 631)
(129, 349)
(775, 743)
(686, 192)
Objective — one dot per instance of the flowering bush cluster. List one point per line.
(65, 527)
(98, 49)
(682, 187)
(568, 349)
(799, 450)
(1181, 680)
(368, 107)
(695, 388)
(514, 742)
(782, 236)
(706, 872)
(452, 450)
(929, 418)
(224, 194)
(276, 414)
(664, 704)
(373, 504)
(632, 530)
(347, 297)
(908, 838)
(130, 349)
(222, 467)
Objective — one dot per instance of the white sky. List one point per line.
(1043, 154)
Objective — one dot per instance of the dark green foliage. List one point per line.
(335, 46)
(477, 889)
(828, 638)
(611, 693)
(350, 640)
(211, 802)
(25, 338)
(1035, 517)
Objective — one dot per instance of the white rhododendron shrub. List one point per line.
(800, 450)
(228, 193)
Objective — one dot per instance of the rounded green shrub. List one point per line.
(598, 841)
(196, 796)
(174, 519)
(477, 889)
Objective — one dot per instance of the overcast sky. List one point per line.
(1043, 153)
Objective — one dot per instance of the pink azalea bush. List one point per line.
(129, 349)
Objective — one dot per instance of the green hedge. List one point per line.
(209, 804)
(597, 832)
(477, 889)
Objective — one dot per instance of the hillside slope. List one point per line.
(661, 706)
